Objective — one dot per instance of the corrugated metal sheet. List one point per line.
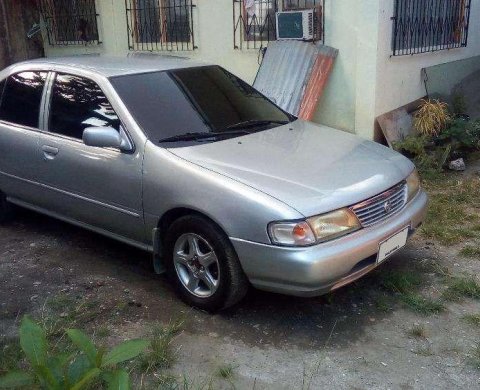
(286, 72)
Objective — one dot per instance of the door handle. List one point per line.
(49, 152)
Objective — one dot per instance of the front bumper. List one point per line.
(315, 270)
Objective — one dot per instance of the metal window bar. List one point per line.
(254, 21)
(70, 22)
(160, 25)
(421, 26)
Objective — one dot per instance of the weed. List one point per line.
(102, 332)
(453, 211)
(53, 370)
(417, 331)
(10, 354)
(401, 281)
(431, 118)
(383, 303)
(475, 356)
(159, 354)
(471, 251)
(462, 286)
(423, 351)
(225, 371)
(473, 319)
(422, 305)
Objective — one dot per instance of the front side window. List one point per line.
(421, 26)
(160, 24)
(70, 22)
(78, 103)
(204, 102)
(21, 97)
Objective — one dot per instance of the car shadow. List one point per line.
(261, 319)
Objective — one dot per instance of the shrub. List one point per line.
(58, 371)
(431, 118)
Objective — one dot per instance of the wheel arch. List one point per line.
(164, 222)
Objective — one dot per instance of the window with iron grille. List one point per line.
(70, 22)
(421, 26)
(255, 20)
(158, 25)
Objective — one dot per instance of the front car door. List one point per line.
(99, 187)
(21, 98)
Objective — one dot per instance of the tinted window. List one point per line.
(193, 100)
(21, 98)
(78, 103)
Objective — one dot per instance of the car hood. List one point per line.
(312, 168)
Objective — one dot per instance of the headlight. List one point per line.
(315, 229)
(413, 184)
(334, 224)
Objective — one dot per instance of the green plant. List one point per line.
(459, 105)
(58, 371)
(225, 371)
(462, 286)
(417, 331)
(431, 118)
(415, 147)
(160, 354)
(461, 135)
(473, 319)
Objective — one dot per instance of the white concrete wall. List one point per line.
(399, 79)
(366, 81)
(349, 99)
(213, 30)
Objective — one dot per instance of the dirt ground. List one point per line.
(356, 338)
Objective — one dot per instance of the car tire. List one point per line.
(6, 209)
(202, 264)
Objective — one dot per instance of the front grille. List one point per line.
(381, 207)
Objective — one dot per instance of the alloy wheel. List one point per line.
(196, 265)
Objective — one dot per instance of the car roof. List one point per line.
(110, 66)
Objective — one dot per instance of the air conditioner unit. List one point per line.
(296, 25)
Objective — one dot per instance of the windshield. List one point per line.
(201, 104)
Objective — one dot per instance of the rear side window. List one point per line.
(78, 103)
(20, 101)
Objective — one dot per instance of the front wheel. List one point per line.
(203, 265)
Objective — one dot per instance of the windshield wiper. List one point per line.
(255, 123)
(201, 136)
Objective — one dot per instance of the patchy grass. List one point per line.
(423, 351)
(475, 356)
(404, 284)
(473, 319)
(160, 354)
(471, 251)
(422, 305)
(401, 281)
(383, 303)
(461, 286)
(103, 332)
(225, 371)
(10, 355)
(417, 331)
(453, 214)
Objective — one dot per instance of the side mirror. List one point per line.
(106, 137)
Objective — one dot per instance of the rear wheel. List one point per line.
(6, 209)
(203, 265)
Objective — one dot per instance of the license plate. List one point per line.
(392, 244)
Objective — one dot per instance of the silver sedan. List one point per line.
(189, 162)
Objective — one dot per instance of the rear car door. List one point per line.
(21, 98)
(100, 187)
